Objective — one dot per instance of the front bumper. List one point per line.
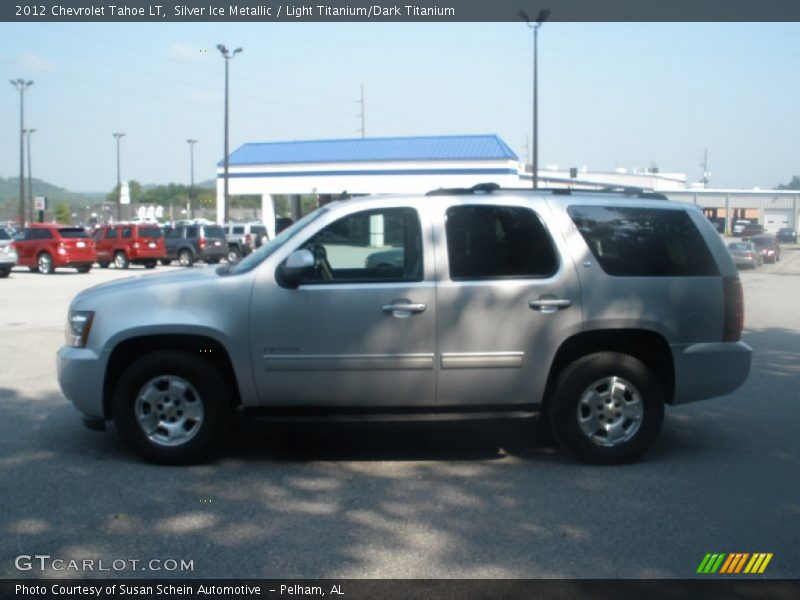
(709, 370)
(80, 375)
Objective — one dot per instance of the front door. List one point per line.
(360, 330)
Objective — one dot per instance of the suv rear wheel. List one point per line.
(234, 255)
(172, 408)
(185, 258)
(44, 262)
(608, 408)
(120, 260)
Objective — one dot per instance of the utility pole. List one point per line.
(227, 55)
(363, 129)
(118, 136)
(540, 18)
(28, 133)
(706, 172)
(21, 85)
(192, 204)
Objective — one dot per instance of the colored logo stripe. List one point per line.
(733, 563)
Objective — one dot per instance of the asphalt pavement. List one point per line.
(399, 501)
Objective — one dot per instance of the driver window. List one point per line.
(370, 246)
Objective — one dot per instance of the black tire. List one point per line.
(212, 261)
(166, 262)
(84, 268)
(103, 264)
(185, 258)
(44, 264)
(150, 264)
(33, 269)
(234, 255)
(578, 381)
(213, 396)
(4, 273)
(121, 260)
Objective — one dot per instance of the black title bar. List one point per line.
(394, 10)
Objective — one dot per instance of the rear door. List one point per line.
(506, 297)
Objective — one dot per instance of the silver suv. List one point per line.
(591, 310)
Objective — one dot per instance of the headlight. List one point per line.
(79, 322)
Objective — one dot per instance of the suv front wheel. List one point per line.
(608, 408)
(172, 408)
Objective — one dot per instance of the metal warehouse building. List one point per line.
(419, 164)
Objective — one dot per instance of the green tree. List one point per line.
(135, 190)
(62, 213)
(794, 184)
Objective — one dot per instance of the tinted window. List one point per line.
(111, 233)
(126, 232)
(376, 245)
(258, 229)
(191, 232)
(498, 241)
(214, 231)
(73, 232)
(40, 234)
(644, 242)
(238, 229)
(149, 232)
(4, 235)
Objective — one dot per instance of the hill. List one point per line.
(9, 192)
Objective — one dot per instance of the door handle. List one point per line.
(403, 308)
(549, 305)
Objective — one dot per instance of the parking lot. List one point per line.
(397, 501)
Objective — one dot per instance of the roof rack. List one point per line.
(488, 188)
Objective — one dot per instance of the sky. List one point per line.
(610, 95)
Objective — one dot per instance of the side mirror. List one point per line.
(291, 272)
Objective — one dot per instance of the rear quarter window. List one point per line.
(73, 232)
(214, 231)
(644, 242)
(149, 232)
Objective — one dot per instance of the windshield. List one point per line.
(740, 246)
(279, 240)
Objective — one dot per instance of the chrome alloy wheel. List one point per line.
(610, 411)
(169, 410)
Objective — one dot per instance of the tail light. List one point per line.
(734, 309)
(202, 243)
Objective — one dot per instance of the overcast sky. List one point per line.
(611, 95)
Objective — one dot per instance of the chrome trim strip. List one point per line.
(347, 362)
(482, 360)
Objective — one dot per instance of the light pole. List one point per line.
(21, 85)
(28, 133)
(227, 55)
(541, 18)
(192, 206)
(118, 135)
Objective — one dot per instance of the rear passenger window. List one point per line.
(487, 242)
(111, 234)
(191, 232)
(644, 242)
(126, 232)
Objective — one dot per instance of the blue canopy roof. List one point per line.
(449, 147)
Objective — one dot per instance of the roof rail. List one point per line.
(480, 188)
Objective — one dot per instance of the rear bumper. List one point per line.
(710, 369)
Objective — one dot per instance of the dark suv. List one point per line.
(190, 242)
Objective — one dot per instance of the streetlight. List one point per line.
(541, 18)
(28, 133)
(21, 85)
(192, 206)
(227, 55)
(118, 136)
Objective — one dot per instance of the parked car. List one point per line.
(243, 238)
(745, 254)
(768, 247)
(752, 229)
(44, 247)
(189, 242)
(740, 225)
(594, 310)
(8, 256)
(787, 235)
(126, 243)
